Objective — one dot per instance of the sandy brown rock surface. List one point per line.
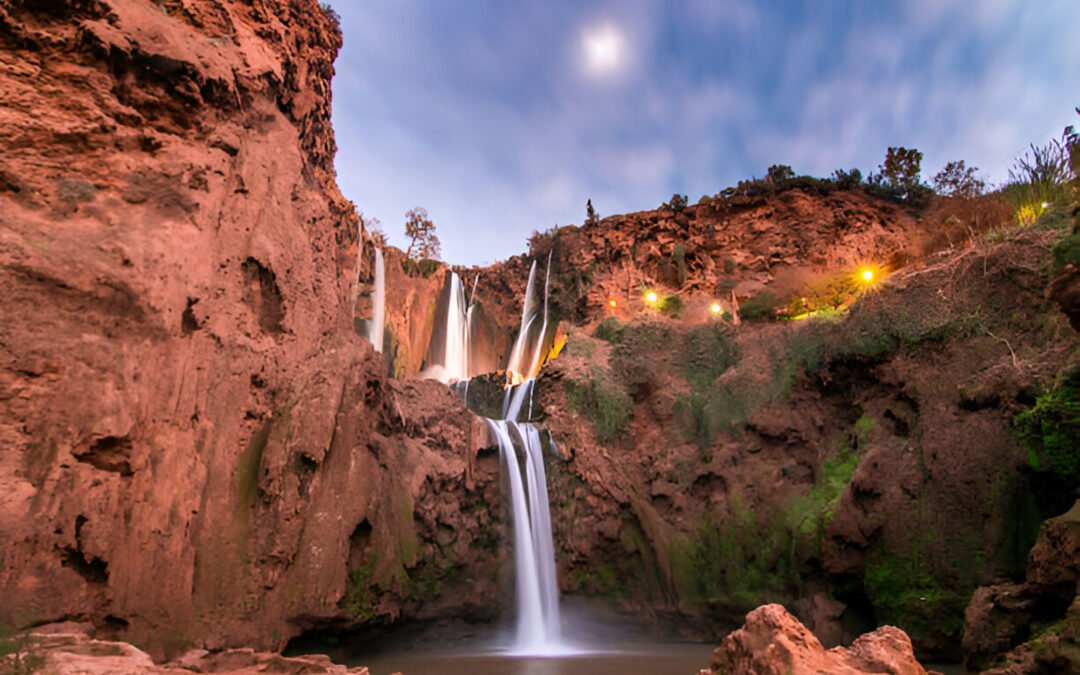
(773, 642)
(198, 448)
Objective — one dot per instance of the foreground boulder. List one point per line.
(67, 649)
(773, 642)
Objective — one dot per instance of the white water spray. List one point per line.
(527, 356)
(537, 590)
(451, 362)
(378, 311)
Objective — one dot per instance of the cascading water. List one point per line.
(538, 629)
(449, 362)
(527, 355)
(520, 451)
(378, 311)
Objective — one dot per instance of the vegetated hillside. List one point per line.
(868, 457)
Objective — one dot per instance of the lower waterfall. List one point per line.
(537, 588)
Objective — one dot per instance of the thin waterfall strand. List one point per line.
(378, 319)
(538, 626)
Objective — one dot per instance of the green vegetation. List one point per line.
(810, 515)
(761, 306)
(732, 565)
(1050, 430)
(1039, 178)
(423, 243)
(904, 593)
(361, 594)
(671, 305)
(603, 402)
(702, 415)
(958, 180)
(707, 352)
(1067, 251)
(847, 180)
(609, 330)
(541, 243)
(677, 203)
(898, 178)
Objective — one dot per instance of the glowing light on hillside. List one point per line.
(612, 303)
(651, 297)
(1045, 205)
(868, 277)
(603, 49)
(715, 309)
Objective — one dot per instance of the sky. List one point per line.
(501, 118)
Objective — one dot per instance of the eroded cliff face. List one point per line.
(198, 448)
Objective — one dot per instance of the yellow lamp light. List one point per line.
(715, 309)
(867, 275)
(612, 303)
(651, 297)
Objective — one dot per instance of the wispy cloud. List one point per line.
(485, 114)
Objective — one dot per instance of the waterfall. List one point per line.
(527, 355)
(537, 590)
(449, 362)
(378, 311)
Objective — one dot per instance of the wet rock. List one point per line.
(773, 642)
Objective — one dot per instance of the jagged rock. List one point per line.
(75, 653)
(773, 642)
(1001, 619)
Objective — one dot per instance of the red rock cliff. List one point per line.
(197, 447)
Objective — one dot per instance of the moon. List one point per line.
(603, 48)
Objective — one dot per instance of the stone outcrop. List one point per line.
(66, 649)
(199, 451)
(773, 642)
(1033, 626)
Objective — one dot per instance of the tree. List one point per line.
(958, 180)
(779, 174)
(678, 202)
(846, 180)
(420, 230)
(898, 177)
(591, 218)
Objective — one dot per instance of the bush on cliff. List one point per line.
(603, 402)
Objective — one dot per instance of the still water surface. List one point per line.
(628, 659)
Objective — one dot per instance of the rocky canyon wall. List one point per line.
(197, 447)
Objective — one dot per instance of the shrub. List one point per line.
(609, 330)
(603, 402)
(898, 178)
(958, 180)
(671, 305)
(1050, 430)
(1067, 251)
(591, 217)
(1040, 178)
(707, 353)
(423, 243)
(541, 243)
(678, 202)
(761, 306)
(779, 174)
(847, 180)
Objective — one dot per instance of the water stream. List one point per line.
(378, 312)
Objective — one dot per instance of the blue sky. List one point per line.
(504, 117)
